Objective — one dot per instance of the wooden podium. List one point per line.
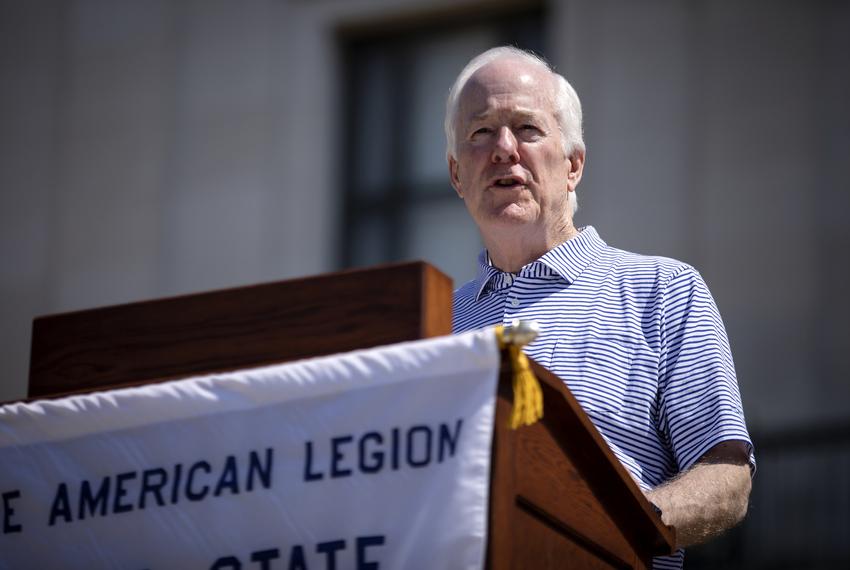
(559, 498)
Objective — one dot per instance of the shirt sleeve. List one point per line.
(700, 404)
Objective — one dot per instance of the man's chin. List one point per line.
(512, 214)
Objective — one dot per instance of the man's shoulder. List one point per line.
(628, 265)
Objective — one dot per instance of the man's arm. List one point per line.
(708, 498)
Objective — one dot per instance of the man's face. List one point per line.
(510, 165)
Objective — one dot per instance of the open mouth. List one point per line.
(507, 182)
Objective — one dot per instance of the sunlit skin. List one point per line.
(511, 168)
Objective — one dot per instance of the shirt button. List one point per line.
(514, 302)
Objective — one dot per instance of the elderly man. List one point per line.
(637, 339)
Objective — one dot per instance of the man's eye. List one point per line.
(529, 132)
(482, 131)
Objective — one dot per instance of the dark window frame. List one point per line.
(523, 26)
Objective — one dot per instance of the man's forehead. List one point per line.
(518, 84)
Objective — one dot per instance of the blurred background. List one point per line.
(154, 148)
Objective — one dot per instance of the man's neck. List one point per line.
(510, 250)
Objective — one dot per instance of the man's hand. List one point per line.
(710, 497)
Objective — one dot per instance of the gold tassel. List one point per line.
(528, 397)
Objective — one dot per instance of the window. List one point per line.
(399, 204)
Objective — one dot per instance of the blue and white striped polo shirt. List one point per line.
(637, 339)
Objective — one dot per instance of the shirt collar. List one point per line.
(567, 260)
(486, 273)
(574, 255)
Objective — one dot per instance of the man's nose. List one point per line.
(506, 147)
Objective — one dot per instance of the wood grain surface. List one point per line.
(559, 498)
(237, 328)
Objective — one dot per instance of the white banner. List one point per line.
(373, 459)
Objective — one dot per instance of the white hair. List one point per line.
(567, 104)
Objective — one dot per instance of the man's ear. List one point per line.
(453, 176)
(576, 169)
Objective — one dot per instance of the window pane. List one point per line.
(437, 62)
(443, 234)
(369, 241)
(372, 123)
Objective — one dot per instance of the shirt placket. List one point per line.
(513, 302)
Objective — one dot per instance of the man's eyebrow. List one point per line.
(480, 116)
(522, 113)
